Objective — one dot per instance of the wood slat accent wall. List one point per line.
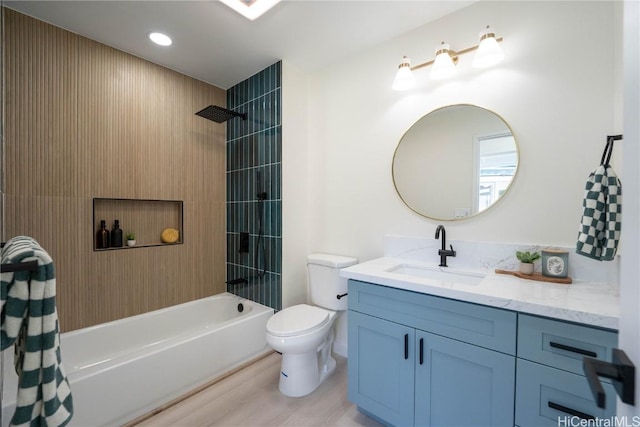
(84, 120)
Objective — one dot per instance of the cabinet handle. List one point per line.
(421, 350)
(406, 346)
(573, 349)
(570, 411)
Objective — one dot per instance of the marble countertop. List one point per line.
(589, 303)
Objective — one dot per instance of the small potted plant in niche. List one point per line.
(527, 259)
(131, 239)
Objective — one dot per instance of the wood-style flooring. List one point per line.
(250, 397)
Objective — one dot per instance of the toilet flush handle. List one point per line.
(341, 296)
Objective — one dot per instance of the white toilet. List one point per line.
(304, 333)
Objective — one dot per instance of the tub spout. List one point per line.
(239, 281)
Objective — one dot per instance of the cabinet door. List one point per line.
(459, 384)
(381, 368)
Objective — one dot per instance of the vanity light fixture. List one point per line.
(404, 77)
(160, 39)
(444, 65)
(489, 52)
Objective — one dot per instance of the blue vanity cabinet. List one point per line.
(416, 359)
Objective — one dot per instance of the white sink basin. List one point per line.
(449, 276)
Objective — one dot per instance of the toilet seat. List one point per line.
(296, 320)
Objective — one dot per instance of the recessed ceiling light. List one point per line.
(250, 9)
(161, 39)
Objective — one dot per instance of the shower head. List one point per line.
(219, 114)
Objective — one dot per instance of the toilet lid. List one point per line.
(296, 320)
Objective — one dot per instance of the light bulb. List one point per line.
(443, 65)
(404, 77)
(489, 51)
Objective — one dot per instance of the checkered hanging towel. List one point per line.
(599, 230)
(30, 321)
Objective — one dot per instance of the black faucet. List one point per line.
(444, 252)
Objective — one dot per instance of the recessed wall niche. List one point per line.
(145, 218)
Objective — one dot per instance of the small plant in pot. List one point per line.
(527, 259)
(131, 239)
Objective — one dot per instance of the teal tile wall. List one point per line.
(254, 165)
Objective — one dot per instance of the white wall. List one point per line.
(295, 187)
(556, 90)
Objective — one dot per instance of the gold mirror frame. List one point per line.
(481, 125)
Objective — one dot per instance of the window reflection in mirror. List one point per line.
(495, 163)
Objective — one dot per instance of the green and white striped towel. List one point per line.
(30, 321)
(599, 231)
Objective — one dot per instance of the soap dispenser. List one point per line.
(116, 235)
(102, 236)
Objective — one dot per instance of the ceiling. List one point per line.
(215, 44)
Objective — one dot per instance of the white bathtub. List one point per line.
(121, 370)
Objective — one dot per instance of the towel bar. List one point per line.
(22, 266)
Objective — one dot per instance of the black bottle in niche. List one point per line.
(116, 235)
(102, 236)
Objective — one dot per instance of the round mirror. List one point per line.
(455, 162)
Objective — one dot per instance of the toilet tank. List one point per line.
(325, 282)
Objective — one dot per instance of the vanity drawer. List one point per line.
(550, 397)
(562, 345)
(483, 326)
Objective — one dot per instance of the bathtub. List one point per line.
(123, 369)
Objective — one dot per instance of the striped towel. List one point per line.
(599, 231)
(30, 321)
